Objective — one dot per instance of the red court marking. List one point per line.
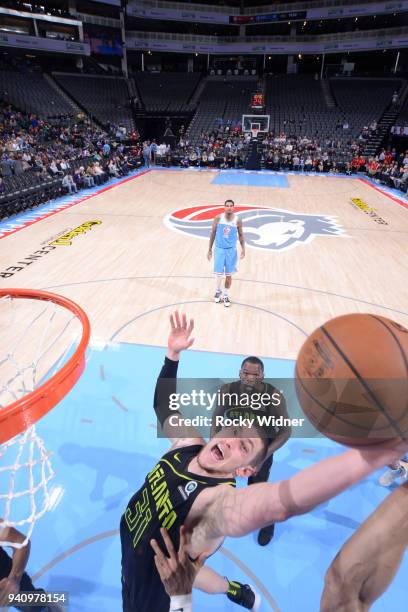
(210, 214)
(400, 202)
(209, 211)
(181, 214)
(66, 207)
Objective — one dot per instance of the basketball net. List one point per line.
(24, 452)
(255, 132)
(37, 340)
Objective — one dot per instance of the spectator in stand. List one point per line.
(89, 179)
(98, 172)
(91, 171)
(53, 169)
(78, 179)
(153, 151)
(372, 166)
(64, 166)
(147, 153)
(192, 158)
(113, 169)
(68, 183)
(395, 98)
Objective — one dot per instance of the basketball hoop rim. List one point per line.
(26, 411)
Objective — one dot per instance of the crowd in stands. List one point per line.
(226, 147)
(390, 168)
(71, 155)
(222, 147)
(36, 7)
(300, 153)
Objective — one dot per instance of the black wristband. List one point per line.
(166, 385)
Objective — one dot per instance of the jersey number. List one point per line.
(139, 520)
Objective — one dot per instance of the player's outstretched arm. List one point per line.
(165, 395)
(369, 560)
(238, 512)
(11, 583)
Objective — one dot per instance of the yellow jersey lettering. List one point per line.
(169, 520)
(155, 475)
(158, 491)
(167, 508)
(138, 521)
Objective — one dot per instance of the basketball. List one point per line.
(352, 379)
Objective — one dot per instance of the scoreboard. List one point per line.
(257, 101)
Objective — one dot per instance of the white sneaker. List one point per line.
(217, 296)
(257, 602)
(227, 301)
(390, 476)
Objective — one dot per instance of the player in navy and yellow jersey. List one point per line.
(226, 230)
(165, 501)
(193, 485)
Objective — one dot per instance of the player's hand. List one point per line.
(396, 448)
(8, 586)
(177, 571)
(242, 255)
(209, 255)
(180, 335)
(400, 447)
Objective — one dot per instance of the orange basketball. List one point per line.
(352, 379)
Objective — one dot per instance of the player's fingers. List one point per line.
(190, 326)
(158, 551)
(184, 321)
(161, 568)
(177, 317)
(182, 545)
(3, 597)
(190, 342)
(172, 322)
(168, 543)
(201, 559)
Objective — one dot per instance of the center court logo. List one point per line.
(272, 229)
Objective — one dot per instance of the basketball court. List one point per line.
(318, 246)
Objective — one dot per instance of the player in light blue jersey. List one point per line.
(226, 230)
